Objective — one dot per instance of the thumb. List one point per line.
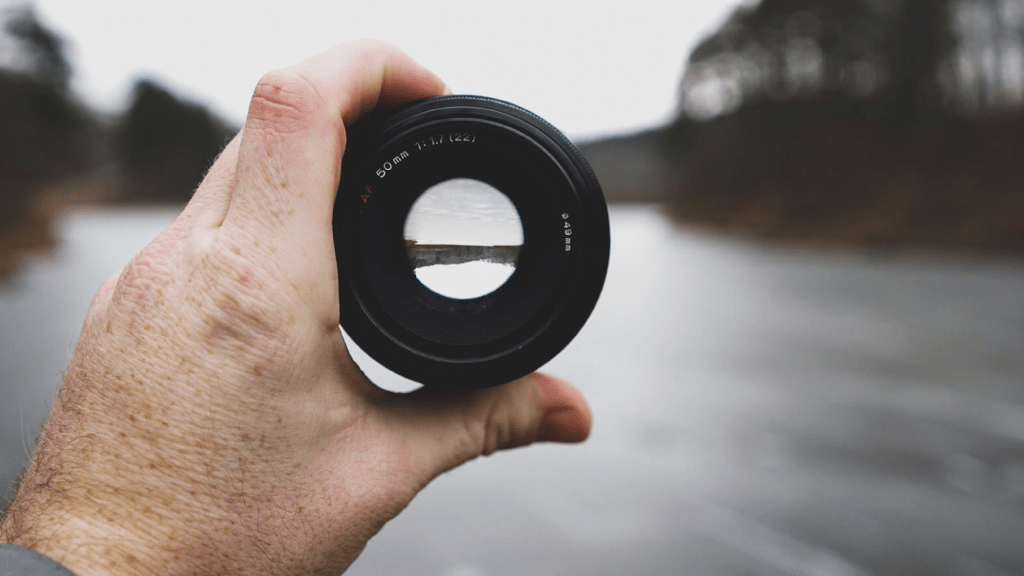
(444, 429)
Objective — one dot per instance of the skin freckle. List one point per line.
(131, 417)
(257, 370)
(246, 437)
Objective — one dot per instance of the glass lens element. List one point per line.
(462, 237)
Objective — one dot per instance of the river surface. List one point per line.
(757, 411)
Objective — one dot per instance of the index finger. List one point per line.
(294, 136)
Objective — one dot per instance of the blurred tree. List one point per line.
(165, 145)
(43, 126)
(159, 148)
(920, 43)
(40, 50)
(46, 135)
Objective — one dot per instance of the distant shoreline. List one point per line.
(878, 226)
(774, 175)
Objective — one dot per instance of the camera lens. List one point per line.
(472, 241)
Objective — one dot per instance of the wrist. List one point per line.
(89, 538)
(84, 502)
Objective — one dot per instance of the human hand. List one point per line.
(211, 420)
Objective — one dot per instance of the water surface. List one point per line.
(756, 412)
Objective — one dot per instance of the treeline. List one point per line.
(887, 123)
(55, 151)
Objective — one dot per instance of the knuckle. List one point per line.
(101, 300)
(284, 100)
(373, 45)
(468, 436)
(134, 303)
(106, 290)
(497, 436)
(142, 281)
(373, 50)
(506, 424)
(242, 303)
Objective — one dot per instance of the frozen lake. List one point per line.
(757, 411)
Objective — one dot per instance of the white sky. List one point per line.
(464, 211)
(590, 67)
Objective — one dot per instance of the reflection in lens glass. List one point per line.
(463, 237)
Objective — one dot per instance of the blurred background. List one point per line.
(809, 355)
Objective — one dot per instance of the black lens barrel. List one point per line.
(500, 336)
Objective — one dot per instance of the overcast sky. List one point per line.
(591, 67)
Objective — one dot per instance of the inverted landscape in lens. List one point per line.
(462, 238)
